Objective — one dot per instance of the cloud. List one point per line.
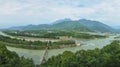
(31, 7)
(107, 11)
(45, 11)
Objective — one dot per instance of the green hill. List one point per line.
(82, 25)
(96, 26)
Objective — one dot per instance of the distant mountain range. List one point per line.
(82, 25)
(116, 27)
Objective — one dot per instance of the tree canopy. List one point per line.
(11, 59)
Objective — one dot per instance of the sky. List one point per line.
(24, 12)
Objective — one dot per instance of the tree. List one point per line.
(11, 59)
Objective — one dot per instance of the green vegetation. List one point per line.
(35, 44)
(117, 37)
(55, 34)
(22, 43)
(108, 56)
(35, 34)
(82, 25)
(88, 36)
(11, 59)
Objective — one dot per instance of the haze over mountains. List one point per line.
(82, 25)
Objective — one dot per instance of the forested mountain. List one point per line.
(68, 24)
(117, 28)
(96, 26)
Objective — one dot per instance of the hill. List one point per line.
(96, 26)
(82, 25)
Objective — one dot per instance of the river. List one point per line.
(37, 55)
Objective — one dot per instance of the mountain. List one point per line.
(82, 25)
(62, 20)
(116, 27)
(96, 26)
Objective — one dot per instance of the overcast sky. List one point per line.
(23, 12)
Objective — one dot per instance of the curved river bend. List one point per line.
(37, 55)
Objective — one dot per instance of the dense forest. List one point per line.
(108, 56)
(35, 44)
(54, 34)
(11, 59)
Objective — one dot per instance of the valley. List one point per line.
(31, 41)
(59, 33)
(40, 39)
(37, 55)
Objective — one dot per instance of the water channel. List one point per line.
(37, 55)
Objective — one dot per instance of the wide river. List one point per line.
(37, 55)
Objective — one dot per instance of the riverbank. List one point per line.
(41, 45)
(22, 43)
(38, 47)
(37, 55)
(11, 59)
(52, 34)
(108, 56)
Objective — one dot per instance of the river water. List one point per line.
(37, 55)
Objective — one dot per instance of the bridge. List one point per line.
(44, 59)
(45, 55)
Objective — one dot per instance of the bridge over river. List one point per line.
(39, 56)
(44, 59)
